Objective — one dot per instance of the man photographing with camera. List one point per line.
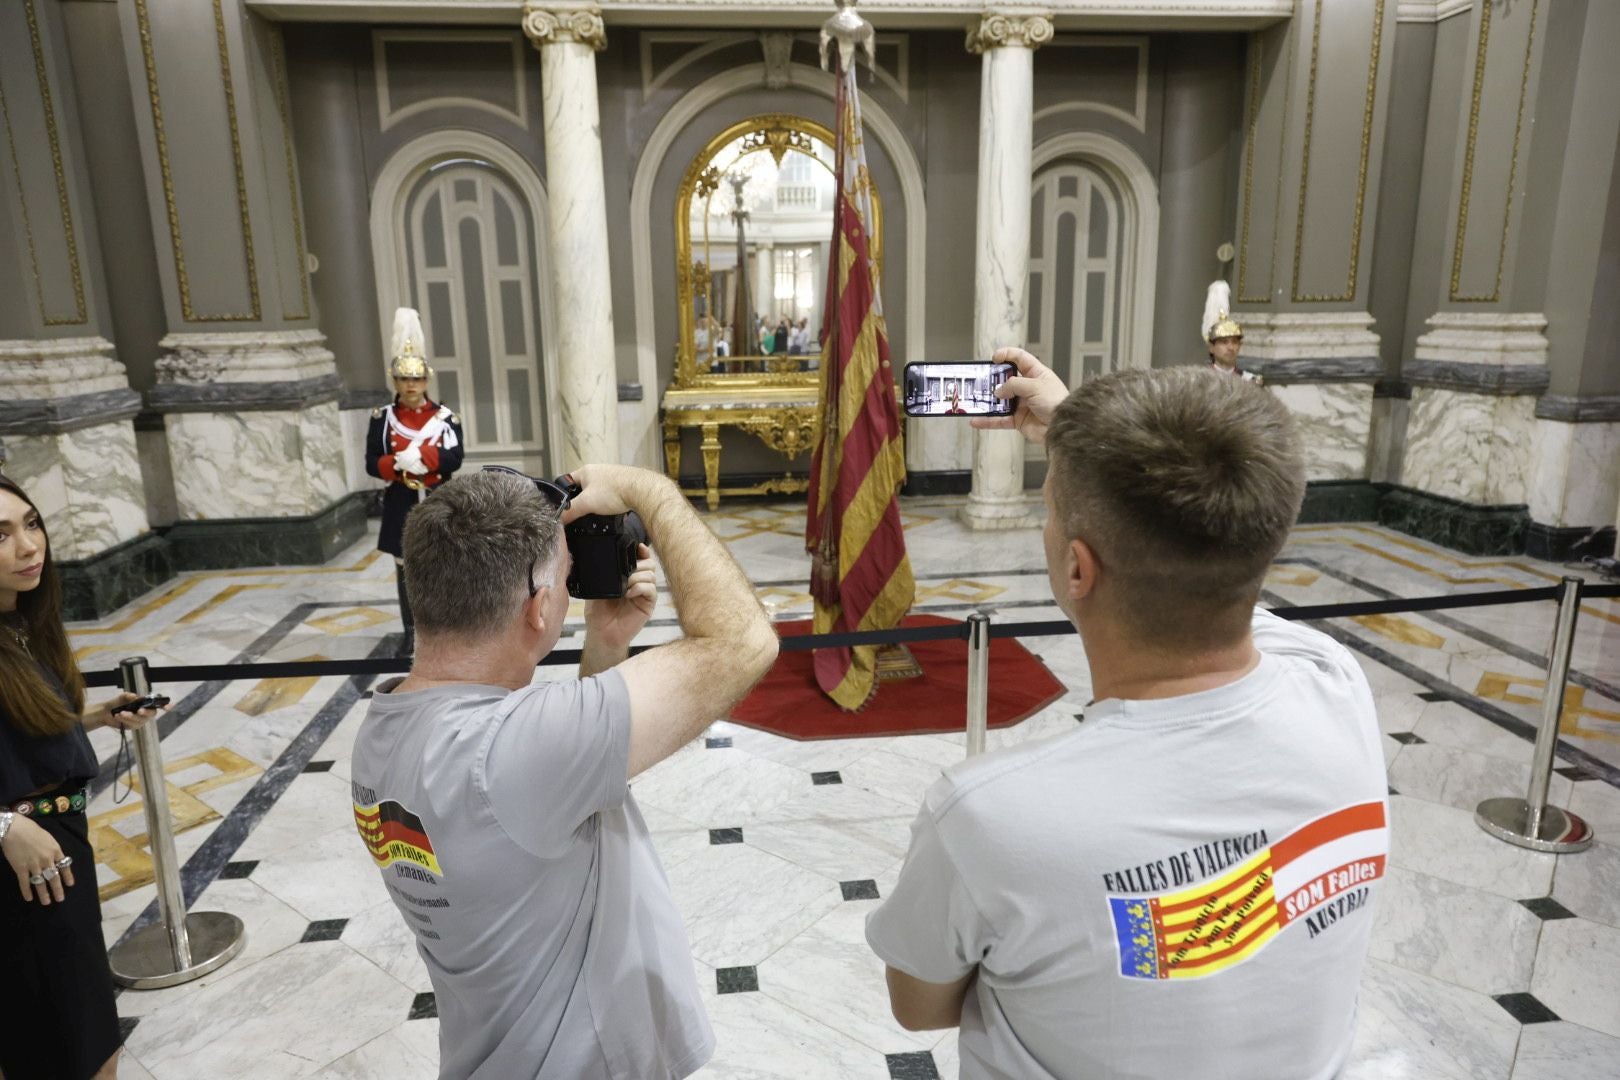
(1183, 885)
(498, 812)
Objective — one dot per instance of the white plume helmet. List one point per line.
(408, 350)
(1218, 321)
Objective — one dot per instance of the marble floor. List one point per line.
(1488, 961)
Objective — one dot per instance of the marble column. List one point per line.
(1001, 248)
(246, 388)
(65, 401)
(568, 37)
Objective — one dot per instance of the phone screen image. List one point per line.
(957, 389)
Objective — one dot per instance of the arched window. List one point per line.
(1075, 270)
(471, 272)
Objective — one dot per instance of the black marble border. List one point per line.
(1596, 409)
(244, 396)
(105, 582)
(631, 391)
(233, 543)
(938, 482)
(1328, 501)
(1461, 526)
(365, 399)
(1560, 544)
(1501, 380)
(52, 416)
(1392, 388)
(1315, 369)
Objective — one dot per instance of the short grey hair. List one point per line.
(469, 549)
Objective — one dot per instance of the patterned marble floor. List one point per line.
(1488, 961)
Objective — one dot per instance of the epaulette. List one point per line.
(447, 414)
(377, 413)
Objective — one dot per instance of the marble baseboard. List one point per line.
(1452, 523)
(938, 482)
(1559, 544)
(1340, 500)
(306, 540)
(101, 584)
(51, 416)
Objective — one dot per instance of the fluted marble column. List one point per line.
(1001, 260)
(568, 36)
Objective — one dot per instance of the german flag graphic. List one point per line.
(392, 833)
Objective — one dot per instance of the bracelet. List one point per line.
(5, 824)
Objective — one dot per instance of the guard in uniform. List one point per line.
(414, 444)
(1222, 333)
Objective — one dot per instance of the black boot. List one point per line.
(408, 643)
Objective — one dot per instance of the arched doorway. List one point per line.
(457, 231)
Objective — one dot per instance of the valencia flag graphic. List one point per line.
(392, 833)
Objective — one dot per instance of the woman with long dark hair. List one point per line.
(56, 992)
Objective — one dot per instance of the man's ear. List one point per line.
(534, 610)
(1081, 572)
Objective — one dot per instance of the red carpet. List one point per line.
(787, 701)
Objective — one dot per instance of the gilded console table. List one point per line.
(782, 417)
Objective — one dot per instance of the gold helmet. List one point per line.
(1218, 321)
(409, 351)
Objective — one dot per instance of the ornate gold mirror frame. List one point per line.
(777, 134)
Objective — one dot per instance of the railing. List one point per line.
(181, 946)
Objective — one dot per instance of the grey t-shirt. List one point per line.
(1176, 888)
(505, 831)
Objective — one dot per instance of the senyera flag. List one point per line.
(860, 576)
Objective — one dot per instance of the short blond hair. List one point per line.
(1184, 482)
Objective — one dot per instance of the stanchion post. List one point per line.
(1529, 822)
(978, 682)
(179, 947)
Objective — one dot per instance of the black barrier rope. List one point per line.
(902, 635)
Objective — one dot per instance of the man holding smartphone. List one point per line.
(498, 812)
(1183, 885)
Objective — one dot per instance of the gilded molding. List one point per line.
(1361, 170)
(278, 62)
(996, 31)
(556, 26)
(64, 205)
(1457, 295)
(187, 312)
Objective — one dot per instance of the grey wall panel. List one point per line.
(1600, 368)
(323, 67)
(1430, 237)
(101, 79)
(1546, 153)
(281, 220)
(1201, 127)
(43, 157)
(951, 167)
(1399, 185)
(19, 315)
(1261, 273)
(1099, 83)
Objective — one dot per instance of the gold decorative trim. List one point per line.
(278, 62)
(771, 133)
(188, 313)
(1457, 295)
(64, 206)
(1361, 172)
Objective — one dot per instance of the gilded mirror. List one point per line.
(753, 225)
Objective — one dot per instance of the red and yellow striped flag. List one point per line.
(860, 575)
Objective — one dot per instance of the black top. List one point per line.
(30, 763)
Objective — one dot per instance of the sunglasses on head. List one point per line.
(556, 494)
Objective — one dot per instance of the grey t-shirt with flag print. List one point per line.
(504, 829)
(1177, 888)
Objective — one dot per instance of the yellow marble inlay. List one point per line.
(349, 620)
(1292, 575)
(1403, 630)
(127, 856)
(775, 597)
(968, 592)
(272, 694)
(1499, 687)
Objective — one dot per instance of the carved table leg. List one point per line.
(672, 450)
(711, 463)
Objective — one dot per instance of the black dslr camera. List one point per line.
(603, 547)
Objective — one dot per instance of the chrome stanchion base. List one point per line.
(146, 960)
(1508, 819)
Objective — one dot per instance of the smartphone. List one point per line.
(151, 701)
(957, 389)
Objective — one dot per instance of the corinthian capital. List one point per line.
(559, 23)
(996, 30)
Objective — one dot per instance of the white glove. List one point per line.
(409, 460)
